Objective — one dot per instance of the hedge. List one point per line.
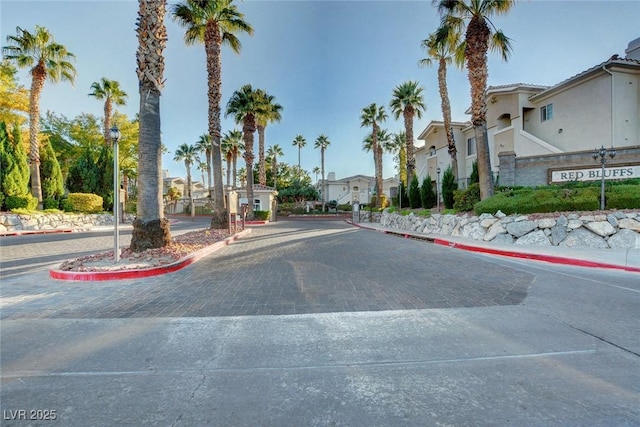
(83, 202)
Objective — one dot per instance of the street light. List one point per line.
(602, 153)
(115, 136)
(437, 191)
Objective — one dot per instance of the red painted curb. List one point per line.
(25, 232)
(90, 276)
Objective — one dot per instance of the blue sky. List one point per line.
(322, 60)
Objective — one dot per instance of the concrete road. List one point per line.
(319, 323)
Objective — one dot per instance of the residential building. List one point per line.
(355, 189)
(540, 134)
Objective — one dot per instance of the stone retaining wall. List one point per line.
(39, 221)
(619, 230)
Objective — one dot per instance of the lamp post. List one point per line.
(115, 136)
(437, 189)
(602, 153)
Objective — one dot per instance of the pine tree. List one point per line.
(14, 170)
(83, 175)
(414, 194)
(52, 182)
(449, 185)
(427, 195)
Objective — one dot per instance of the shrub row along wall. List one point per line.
(618, 230)
(36, 222)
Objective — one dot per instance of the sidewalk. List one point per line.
(619, 259)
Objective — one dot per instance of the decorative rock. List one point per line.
(521, 218)
(488, 222)
(558, 234)
(500, 215)
(505, 238)
(630, 224)
(546, 222)
(612, 220)
(601, 228)
(535, 238)
(562, 220)
(625, 239)
(493, 231)
(574, 224)
(584, 238)
(520, 228)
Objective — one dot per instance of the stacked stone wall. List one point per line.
(618, 230)
(63, 221)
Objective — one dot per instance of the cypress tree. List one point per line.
(83, 175)
(428, 196)
(14, 169)
(449, 185)
(414, 194)
(51, 175)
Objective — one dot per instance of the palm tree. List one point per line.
(150, 228)
(322, 142)
(245, 104)
(46, 60)
(214, 23)
(372, 115)
(317, 171)
(445, 50)
(188, 154)
(479, 38)
(272, 114)
(273, 152)
(232, 146)
(408, 101)
(110, 91)
(204, 145)
(299, 142)
(382, 143)
(399, 145)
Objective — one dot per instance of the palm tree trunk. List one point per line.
(262, 173)
(248, 129)
(150, 229)
(107, 122)
(379, 176)
(228, 171)
(446, 114)
(37, 83)
(408, 129)
(213, 43)
(235, 169)
(476, 53)
(324, 184)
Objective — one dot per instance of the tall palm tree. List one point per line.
(317, 171)
(272, 114)
(399, 145)
(445, 50)
(299, 142)
(245, 104)
(322, 142)
(204, 145)
(479, 38)
(150, 228)
(188, 154)
(112, 93)
(382, 143)
(214, 23)
(232, 146)
(273, 152)
(46, 60)
(407, 100)
(372, 115)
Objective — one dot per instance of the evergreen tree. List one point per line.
(449, 185)
(474, 173)
(104, 185)
(414, 193)
(14, 170)
(83, 175)
(427, 195)
(52, 182)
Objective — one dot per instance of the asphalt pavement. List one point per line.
(320, 323)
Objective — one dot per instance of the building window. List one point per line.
(432, 150)
(546, 112)
(355, 188)
(471, 146)
(256, 205)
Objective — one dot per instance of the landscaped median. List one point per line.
(124, 271)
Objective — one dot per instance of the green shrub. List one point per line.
(464, 200)
(427, 195)
(345, 208)
(1, 201)
(50, 204)
(547, 199)
(623, 197)
(449, 185)
(27, 202)
(261, 215)
(84, 202)
(414, 194)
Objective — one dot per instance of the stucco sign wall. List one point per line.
(594, 174)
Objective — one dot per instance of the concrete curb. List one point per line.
(90, 276)
(554, 259)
